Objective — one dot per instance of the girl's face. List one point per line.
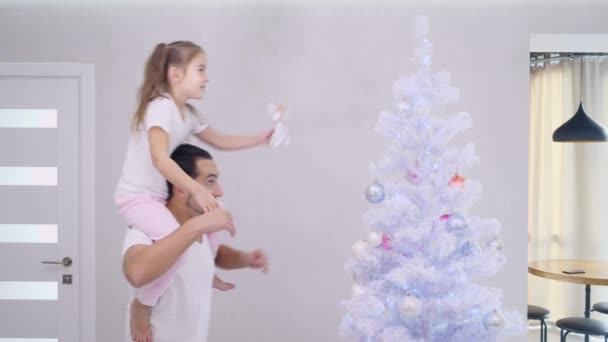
(195, 79)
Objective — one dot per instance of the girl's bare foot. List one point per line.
(221, 285)
(140, 322)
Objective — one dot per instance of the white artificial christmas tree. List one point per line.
(414, 272)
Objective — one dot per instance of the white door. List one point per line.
(45, 223)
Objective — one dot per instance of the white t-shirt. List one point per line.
(139, 176)
(183, 311)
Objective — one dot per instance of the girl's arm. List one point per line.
(232, 142)
(159, 146)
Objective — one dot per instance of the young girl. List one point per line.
(174, 74)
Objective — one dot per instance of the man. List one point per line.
(182, 312)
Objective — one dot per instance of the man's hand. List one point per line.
(256, 259)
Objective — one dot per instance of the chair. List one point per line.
(581, 325)
(539, 313)
(601, 307)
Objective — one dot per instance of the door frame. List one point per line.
(85, 74)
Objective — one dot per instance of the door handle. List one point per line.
(67, 262)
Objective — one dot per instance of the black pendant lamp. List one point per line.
(580, 128)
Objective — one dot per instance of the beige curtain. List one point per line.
(568, 182)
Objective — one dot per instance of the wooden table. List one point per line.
(596, 273)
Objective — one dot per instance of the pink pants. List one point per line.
(149, 214)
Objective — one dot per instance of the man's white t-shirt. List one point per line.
(139, 176)
(183, 311)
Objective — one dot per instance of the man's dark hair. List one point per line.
(186, 156)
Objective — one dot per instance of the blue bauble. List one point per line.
(470, 248)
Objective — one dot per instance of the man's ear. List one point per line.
(179, 191)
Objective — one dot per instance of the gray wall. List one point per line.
(334, 66)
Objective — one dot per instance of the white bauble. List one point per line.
(409, 307)
(374, 239)
(358, 290)
(360, 249)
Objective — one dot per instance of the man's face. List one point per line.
(208, 175)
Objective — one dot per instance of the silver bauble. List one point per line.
(374, 192)
(493, 322)
(457, 225)
(494, 244)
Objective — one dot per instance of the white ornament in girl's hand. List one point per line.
(280, 136)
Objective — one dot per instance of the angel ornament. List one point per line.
(280, 137)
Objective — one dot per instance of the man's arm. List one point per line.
(144, 263)
(229, 258)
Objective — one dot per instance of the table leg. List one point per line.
(587, 305)
(587, 301)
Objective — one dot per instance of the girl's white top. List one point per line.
(139, 176)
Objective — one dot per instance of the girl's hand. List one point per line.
(215, 221)
(205, 200)
(264, 138)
